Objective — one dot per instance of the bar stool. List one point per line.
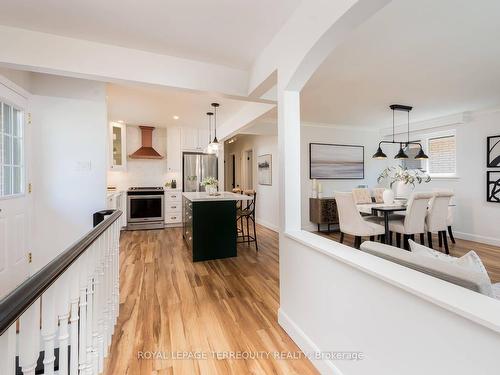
(247, 214)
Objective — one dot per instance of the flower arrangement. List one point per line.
(403, 175)
(210, 181)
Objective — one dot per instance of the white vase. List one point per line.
(388, 196)
(402, 190)
(211, 189)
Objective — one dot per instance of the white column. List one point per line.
(49, 325)
(289, 146)
(8, 351)
(29, 339)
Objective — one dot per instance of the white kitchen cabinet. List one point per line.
(189, 139)
(118, 146)
(193, 139)
(203, 138)
(117, 201)
(174, 154)
(173, 207)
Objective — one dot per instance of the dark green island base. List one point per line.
(209, 228)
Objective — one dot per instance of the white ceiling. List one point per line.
(226, 32)
(137, 105)
(442, 57)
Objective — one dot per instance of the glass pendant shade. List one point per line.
(421, 155)
(379, 154)
(401, 154)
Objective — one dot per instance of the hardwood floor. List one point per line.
(489, 254)
(170, 304)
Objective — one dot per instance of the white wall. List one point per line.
(335, 299)
(69, 124)
(143, 172)
(311, 133)
(267, 209)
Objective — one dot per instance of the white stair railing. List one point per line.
(71, 304)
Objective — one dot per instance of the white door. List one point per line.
(249, 169)
(14, 196)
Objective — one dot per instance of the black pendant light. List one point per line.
(209, 114)
(379, 154)
(214, 145)
(421, 155)
(401, 153)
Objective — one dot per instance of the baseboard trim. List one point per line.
(477, 238)
(305, 344)
(268, 225)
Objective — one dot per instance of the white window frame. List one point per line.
(22, 165)
(425, 142)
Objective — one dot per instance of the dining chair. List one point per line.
(437, 215)
(378, 194)
(413, 222)
(449, 223)
(351, 222)
(361, 195)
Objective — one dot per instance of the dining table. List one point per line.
(385, 210)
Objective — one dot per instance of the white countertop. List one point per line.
(224, 196)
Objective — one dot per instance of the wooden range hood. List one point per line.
(146, 151)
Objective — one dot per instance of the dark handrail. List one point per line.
(21, 298)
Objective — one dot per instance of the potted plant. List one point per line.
(403, 180)
(210, 184)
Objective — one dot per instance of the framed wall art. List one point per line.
(265, 169)
(493, 186)
(336, 162)
(493, 151)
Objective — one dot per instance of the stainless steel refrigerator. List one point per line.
(196, 167)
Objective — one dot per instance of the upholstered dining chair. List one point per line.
(361, 195)
(449, 223)
(378, 194)
(437, 215)
(351, 222)
(413, 222)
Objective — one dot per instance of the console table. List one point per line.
(323, 211)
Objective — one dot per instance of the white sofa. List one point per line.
(436, 267)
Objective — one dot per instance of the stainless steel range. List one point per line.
(145, 208)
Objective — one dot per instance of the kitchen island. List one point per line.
(209, 224)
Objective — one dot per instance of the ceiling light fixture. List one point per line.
(175, 117)
(401, 153)
(208, 149)
(214, 145)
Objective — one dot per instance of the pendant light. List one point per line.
(401, 153)
(214, 145)
(208, 149)
(421, 155)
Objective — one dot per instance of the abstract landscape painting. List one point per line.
(336, 162)
(265, 169)
(493, 151)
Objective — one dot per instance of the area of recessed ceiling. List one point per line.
(411, 52)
